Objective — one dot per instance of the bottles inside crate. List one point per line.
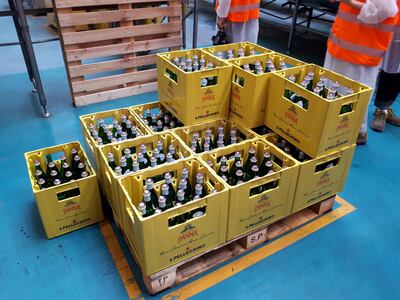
(160, 120)
(192, 64)
(60, 172)
(131, 162)
(118, 130)
(230, 53)
(167, 196)
(234, 170)
(291, 150)
(323, 87)
(213, 138)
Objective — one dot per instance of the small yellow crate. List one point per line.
(248, 212)
(249, 91)
(186, 133)
(246, 46)
(184, 95)
(110, 182)
(321, 128)
(314, 183)
(140, 110)
(90, 143)
(62, 216)
(156, 245)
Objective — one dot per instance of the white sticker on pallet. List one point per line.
(164, 281)
(256, 238)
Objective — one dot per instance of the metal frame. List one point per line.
(17, 12)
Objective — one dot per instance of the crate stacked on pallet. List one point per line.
(194, 97)
(230, 52)
(66, 201)
(156, 150)
(118, 61)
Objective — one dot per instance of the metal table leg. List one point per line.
(195, 23)
(30, 54)
(294, 23)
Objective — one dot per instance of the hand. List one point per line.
(221, 22)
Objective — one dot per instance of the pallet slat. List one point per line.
(81, 3)
(83, 18)
(112, 65)
(119, 32)
(95, 52)
(110, 81)
(117, 93)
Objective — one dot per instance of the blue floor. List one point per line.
(356, 257)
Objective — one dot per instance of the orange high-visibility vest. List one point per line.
(356, 42)
(243, 10)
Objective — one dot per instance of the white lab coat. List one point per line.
(238, 31)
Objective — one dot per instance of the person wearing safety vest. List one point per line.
(239, 19)
(357, 43)
(388, 88)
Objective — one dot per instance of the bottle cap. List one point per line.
(142, 208)
(99, 141)
(181, 195)
(199, 178)
(41, 181)
(124, 135)
(224, 169)
(238, 164)
(167, 176)
(57, 181)
(143, 148)
(169, 157)
(51, 164)
(161, 201)
(198, 189)
(252, 150)
(239, 173)
(84, 174)
(254, 168)
(114, 140)
(81, 166)
(185, 173)
(37, 163)
(38, 173)
(224, 178)
(253, 160)
(165, 189)
(197, 214)
(157, 211)
(68, 174)
(53, 173)
(171, 148)
(153, 161)
(110, 157)
(77, 158)
(146, 195)
(149, 183)
(268, 164)
(182, 184)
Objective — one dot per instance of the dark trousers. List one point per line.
(388, 89)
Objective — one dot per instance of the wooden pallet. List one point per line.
(203, 262)
(122, 46)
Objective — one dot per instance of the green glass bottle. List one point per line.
(172, 151)
(181, 197)
(179, 219)
(37, 166)
(143, 209)
(247, 165)
(150, 188)
(64, 168)
(39, 174)
(266, 168)
(162, 203)
(114, 127)
(69, 176)
(111, 161)
(183, 185)
(81, 169)
(223, 171)
(200, 180)
(51, 166)
(42, 183)
(129, 160)
(185, 175)
(251, 174)
(128, 129)
(148, 202)
(118, 171)
(75, 163)
(123, 122)
(143, 150)
(198, 191)
(237, 166)
(168, 181)
(124, 166)
(143, 162)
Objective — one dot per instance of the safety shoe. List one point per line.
(379, 121)
(392, 118)
(362, 138)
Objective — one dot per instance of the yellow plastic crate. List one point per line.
(140, 110)
(110, 182)
(314, 185)
(247, 46)
(62, 216)
(90, 143)
(248, 99)
(247, 213)
(186, 98)
(157, 246)
(186, 133)
(320, 129)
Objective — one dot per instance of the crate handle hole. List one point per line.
(262, 188)
(171, 75)
(64, 195)
(326, 165)
(196, 213)
(208, 81)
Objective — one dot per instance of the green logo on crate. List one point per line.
(343, 124)
(188, 232)
(262, 203)
(291, 114)
(71, 206)
(324, 179)
(208, 96)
